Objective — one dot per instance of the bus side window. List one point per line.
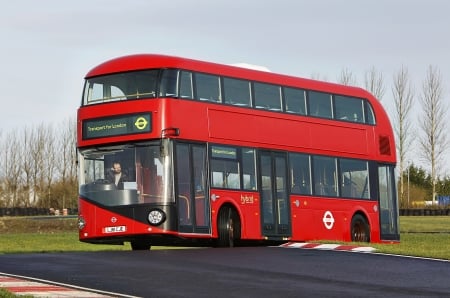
(168, 85)
(320, 104)
(248, 169)
(267, 96)
(354, 178)
(208, 87)
(300, 173)
(349, 109)
(236, 92)
(186, 85)
(295, 101)
(325, 176)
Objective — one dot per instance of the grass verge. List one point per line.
(7, 294)
(424, 236)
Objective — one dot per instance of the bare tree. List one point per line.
(347, 78)
(26, 165)
(49, 161)
(66, 164)
(374, 83)
(10, 161)
(403, 95)
(38, 166)
(33, 161)
(433, 142)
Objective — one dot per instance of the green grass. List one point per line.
(6, 294)
(424, 236)
(47, 243)
(421, 236)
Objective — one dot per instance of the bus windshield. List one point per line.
(120, 86)
(124, 175)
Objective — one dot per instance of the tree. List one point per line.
(347, 78)
(66, 164)
(433, 141)
(374, 83)
(10, 164)
(402, 93)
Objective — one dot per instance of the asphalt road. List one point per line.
(239, 272)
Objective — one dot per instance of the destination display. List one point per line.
(115, 126)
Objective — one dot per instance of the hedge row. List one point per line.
(32, 211)
(424, 212)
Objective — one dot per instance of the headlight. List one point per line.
(81, 223)
(156, 217)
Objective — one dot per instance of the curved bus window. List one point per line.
(237, 92)
(370, 115)
(320, 104)
(125, 175)
(122, 86)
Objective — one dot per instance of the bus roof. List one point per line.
(153, 61)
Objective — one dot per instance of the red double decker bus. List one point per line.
(175, 151)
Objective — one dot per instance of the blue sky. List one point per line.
(48, 46)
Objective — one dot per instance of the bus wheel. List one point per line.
(140, 245)
(229, 227)
(360, 231)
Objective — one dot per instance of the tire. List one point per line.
(140, 245)
(229, 227)
(359, 229)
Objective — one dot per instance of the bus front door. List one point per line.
(192, 196)
(275, 213)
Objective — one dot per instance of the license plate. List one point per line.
(117, 229)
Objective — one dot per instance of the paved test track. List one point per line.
(239, 272)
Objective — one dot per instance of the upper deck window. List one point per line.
(237, 92)
(122, 86)
(267, 97)
(295, 100)
(208, 87)
(168, 86)
(370, 115)
(349, 108)
(186, 85)
(320, 104)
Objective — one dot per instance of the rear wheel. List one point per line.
(229, 227)
(360, 230)
(140, 245)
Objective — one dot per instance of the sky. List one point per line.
(48, 46)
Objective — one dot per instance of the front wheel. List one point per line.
(228, 227)
(360, 230)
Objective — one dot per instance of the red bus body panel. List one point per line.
(312, 218)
